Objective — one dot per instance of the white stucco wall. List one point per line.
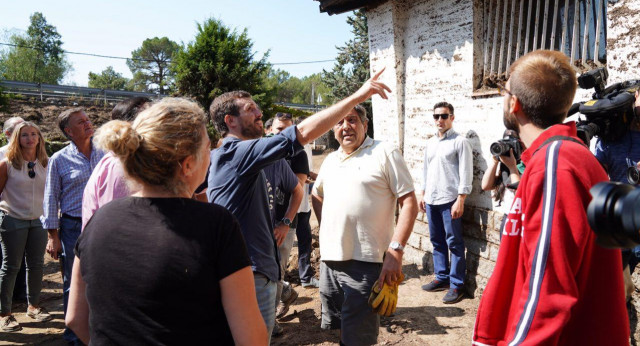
(427, 49)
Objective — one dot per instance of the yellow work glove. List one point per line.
(384, 301)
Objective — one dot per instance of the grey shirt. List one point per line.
(448, 168)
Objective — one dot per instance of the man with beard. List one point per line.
(237, 182)
(448, 174)
(552, 284)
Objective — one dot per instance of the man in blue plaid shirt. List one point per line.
(67, 174)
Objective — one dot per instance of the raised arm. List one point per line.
(490, 175)
(318, 124)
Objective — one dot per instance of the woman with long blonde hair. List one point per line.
(22, 178)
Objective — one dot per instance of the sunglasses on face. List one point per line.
(444, 116)
(32, 172)
(281, 115)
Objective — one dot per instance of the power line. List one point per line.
(147, 60)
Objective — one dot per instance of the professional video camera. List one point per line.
(614, 214)
(502, 146)
(609, 113)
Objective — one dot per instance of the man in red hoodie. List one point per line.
(552, 284)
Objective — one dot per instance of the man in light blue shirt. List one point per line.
(448, 174)
(67, 174)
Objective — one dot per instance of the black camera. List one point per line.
(614, 214)
(609, 113)
(596, 79)
(633, 175)
(502, 146)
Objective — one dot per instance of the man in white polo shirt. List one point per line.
(354, 199)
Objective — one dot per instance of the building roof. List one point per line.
(341, 6)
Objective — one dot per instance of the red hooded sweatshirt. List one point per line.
(552, 284)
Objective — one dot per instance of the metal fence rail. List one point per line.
(44, 91)
(65, 91)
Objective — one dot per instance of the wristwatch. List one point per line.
(396, 246)
(286, 221)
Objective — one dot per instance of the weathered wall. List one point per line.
(427, 48)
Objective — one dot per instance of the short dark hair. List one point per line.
(362, 113)
(545, 84)
(444, 104)
(223, 105)
(63, 118)
(128, 109)
(268, 123)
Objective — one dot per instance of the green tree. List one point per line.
(150, 65)
(108, 79)
(221, 60)
(37, 56)
(316, 84)
(352, 67)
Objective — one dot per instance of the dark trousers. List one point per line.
(303, 233)
(20, 288)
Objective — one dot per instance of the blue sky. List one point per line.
(294, 30)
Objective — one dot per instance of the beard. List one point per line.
(510, 122)
(251, 132)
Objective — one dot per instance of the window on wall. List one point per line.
(508, 29)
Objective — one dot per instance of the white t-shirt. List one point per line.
(359, 194)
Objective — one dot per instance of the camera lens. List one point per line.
(633, 175)
(499, 148)
(614, 214)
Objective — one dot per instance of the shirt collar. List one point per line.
(74, 148)
(368, 141)
(567, 129)
(450, 132)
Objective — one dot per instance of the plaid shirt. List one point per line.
(67, 174)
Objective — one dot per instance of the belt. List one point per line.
(75, 218)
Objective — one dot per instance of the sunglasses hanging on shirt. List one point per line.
(32, 172)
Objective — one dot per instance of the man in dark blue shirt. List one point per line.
(237, 182)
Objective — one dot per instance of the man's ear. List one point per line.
(67, 131)
(514, 104)
(452, 117)
(229, 120)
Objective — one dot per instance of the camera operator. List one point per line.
(501, 177)
(552, 284)
(617, 156)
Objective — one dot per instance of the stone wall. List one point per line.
(427, 48)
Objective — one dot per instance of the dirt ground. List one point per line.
(421, 317)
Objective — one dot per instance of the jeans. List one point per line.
(303, 233)
(20, 238)
(284, 250)
(69, 233)
(446, 236)
(266, 295)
